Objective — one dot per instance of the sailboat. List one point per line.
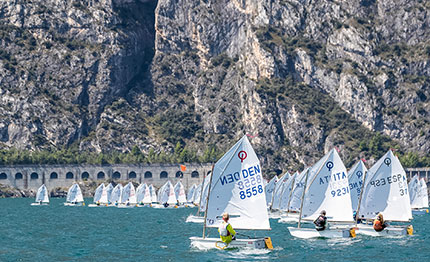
(100, 196)
(115, 196)
(326, 188)
(385, 190)
(181, 199)
(236, 187)
(201, 197)
(41, 196)
(128, 196)
(291, 214)
(74, 196)
(166, 196)
(154, 197)
(190, 194)
(277, 195)
(355, 178)
(143, 195)
(109, 190)
(269, 189)
(419, 196)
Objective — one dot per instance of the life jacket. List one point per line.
(320, 222)
(378, 226)
(223, 229)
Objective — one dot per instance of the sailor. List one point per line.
(321, 221)
(226, 231)
(379, 223)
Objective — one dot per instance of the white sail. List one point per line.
(327, 189)
(146, 196)
(279, 190)
(424, 193)
(288, 187)
(269, 189)
(140, 191)
(180, 192)
(386, 191)
(74, 195)
(128, 194)
(190, 194)
(104, 196)
(166, 194)
(414, 187)
(237, 187)
(204, 195)
(197, 193)
(298, 187)
(355, 178)
(109, 190)
(153, 194)
(116, 194)
(98, 193)
(42, 194)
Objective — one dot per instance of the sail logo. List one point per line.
(242, 155)
(329, 165)
(387, 161)
(359, 174)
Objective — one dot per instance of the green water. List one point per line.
(59, 233)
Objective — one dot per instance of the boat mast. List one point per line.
(207, 199)
(291, 193)
(201, 191)
(359, 200)
(303, 196)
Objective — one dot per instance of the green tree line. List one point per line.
(180, 154)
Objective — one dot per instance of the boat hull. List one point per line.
(95, 205)
(421, 211)
(368, 230)
(209, 243)
(194, 219)
(38, 204)
(73, 204)
(289, 219)
(307, 233)
(163, 207)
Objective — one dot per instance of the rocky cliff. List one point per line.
(301, 76)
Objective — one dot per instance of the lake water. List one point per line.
(59, 233)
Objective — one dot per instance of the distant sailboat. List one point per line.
(128, 196)
(180, 193)
(154, 197)
(190, 194)
(277, 194)
(236, 187)
(116, 194)
(74, 196)
(201, 196)
(166, 196)
(385, 190)
(143, 195)
(418, 195)
(355, 178)
(41, 196)
(295, 199)
(269, 189)
(100, 196)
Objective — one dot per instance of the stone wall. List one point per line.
(54, 176)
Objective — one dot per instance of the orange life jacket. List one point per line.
(377, 225)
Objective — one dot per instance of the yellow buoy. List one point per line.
(427, 210)
(410, 230)
(268, 242)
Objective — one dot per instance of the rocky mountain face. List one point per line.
(301, 76)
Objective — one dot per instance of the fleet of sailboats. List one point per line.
(351, 200)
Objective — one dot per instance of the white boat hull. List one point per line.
(74, 204)
(194, 219)
(162, 206)
(208, 243)
(39, 204)
(290, 218)
(388, 231)
(126, 206)
(274, 215)
(95, 205)
(421, 211)
(313, 233)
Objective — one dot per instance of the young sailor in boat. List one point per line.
(321, 221)
(226, 231)
(379, 223)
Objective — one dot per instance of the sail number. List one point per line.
(340, 192)
(250, 187)
(388, 180)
